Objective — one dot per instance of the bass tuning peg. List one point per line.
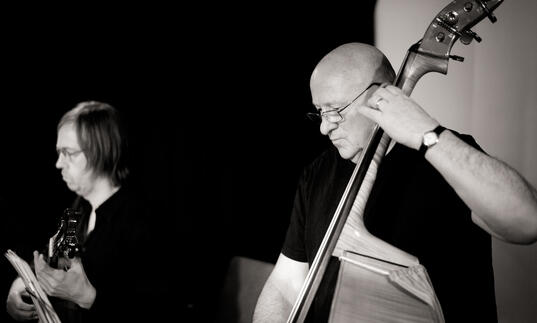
(473, 35)
(486, 9)
(457, 58)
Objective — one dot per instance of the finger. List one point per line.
(374, 102)
(25, 305)
(369, 112)
(24, 292)
(385, 94)
(36, 259)
(394, 90)
(39, 261)
(27, 315)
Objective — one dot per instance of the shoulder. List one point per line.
(328, 159)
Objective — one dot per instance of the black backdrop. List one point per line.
(215, 107)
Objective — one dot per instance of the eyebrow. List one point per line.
(330, 105)
(66, 148)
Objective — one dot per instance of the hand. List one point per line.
(72, 285)
(398, 115)
(17, 308)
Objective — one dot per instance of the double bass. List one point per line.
(378, 282)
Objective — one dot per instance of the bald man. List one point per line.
(440, 200)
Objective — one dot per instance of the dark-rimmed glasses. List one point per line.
(334, 115)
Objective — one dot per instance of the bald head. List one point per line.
(350, 68)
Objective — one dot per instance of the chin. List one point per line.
(72, 187)
(349, 154)
(346, 153)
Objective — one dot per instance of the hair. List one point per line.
(102, 137)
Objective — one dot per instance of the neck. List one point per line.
(101, 191)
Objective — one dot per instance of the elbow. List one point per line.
(523, 240)
(529, 236)
(530, 225)
(518, 225)
(529, 220)
(525, 233)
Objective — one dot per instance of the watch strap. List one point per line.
(438, 130)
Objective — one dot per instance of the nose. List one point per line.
(326, 126)
(59, 162)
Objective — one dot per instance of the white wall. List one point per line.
(491, 95)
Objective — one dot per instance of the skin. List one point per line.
(71, 284)
(335, 82)
(15, 306)
(502, 202)
(75, 172)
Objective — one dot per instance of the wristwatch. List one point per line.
(430, 138)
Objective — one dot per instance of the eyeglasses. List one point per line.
(334, 115)
(67, 153)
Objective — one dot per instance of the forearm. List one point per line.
(495, 192)
(87, 298)
(271, 306)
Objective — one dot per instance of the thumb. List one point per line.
(36, 255)
(38, 261)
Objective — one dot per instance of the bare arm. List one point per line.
(503, 203)
(501, 200)
(280, 291)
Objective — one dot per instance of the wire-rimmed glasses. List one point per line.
(334, 115)
(67, 153)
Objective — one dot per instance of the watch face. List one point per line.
(430, 138)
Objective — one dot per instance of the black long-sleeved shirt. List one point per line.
(112, 256)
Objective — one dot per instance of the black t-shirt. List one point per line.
(411, 207)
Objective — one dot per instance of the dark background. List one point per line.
(215, 107)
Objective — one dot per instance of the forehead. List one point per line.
(335, 90)
(67, 137)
